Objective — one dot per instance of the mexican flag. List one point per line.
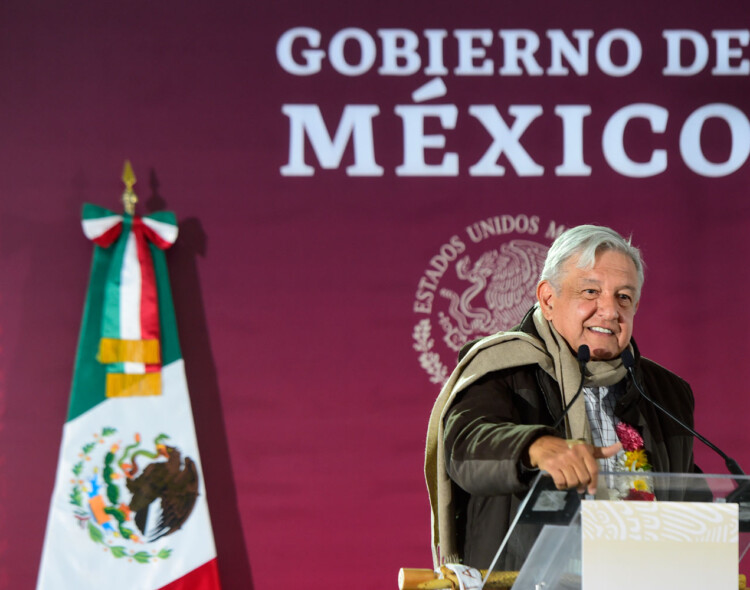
(129, 505)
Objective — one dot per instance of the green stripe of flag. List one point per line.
(111, 317)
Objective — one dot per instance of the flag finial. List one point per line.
(129, 198)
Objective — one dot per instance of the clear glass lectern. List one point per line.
(546, 538)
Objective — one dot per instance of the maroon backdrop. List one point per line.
(318, 279)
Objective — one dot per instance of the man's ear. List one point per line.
(545, 294)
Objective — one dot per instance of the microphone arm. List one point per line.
(629, 362)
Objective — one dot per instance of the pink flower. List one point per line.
(629, 437)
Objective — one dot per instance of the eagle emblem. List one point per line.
(487, 295)
(130, 495)
(507, 277)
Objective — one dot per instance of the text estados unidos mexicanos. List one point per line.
(499, 225)
(299, 51)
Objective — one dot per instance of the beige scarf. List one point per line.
(502, 351)
(567, 373)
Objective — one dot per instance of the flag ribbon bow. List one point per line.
(129, 344)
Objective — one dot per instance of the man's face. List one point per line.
(594, 306)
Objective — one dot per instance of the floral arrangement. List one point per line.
(634, 459)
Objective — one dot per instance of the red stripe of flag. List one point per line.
(106, 239)
(149, 302)
(205, 577)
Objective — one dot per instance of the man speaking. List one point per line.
(501, 417)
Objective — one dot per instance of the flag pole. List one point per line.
(129, 198)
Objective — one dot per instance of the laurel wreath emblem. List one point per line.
(429, 360)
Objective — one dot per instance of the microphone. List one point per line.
(583, 355)
(629, 362)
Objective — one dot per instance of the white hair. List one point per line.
(586, 241)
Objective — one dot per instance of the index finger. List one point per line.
(607, 452)
(589, 461)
